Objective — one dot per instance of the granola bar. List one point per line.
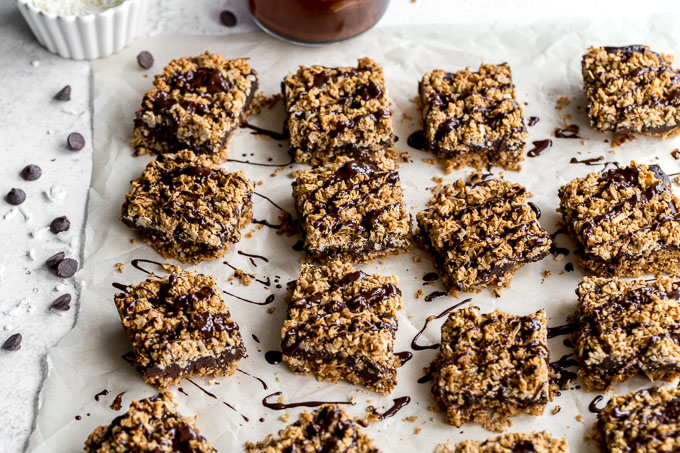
(627, 327)
(632, 90)
(335, 112)
(625, 221)
(352, 211)
(491, 366)
(179, 327)
(536, 442)
(327, 429)
(480, 233)
(188, 209)
(473, 118)
(152, 424)
(197, 103)
(341, 324)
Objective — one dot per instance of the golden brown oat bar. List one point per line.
(627, 327)
(352, 211)
(632, 90)
(188, 209)
(341, 324)
(625, 221)
(480, 233)
(490, 367)
(152, 424)
(197, 103)
(644, 421)
(473, 118)
(179, 327)
(537, 442)
(334, 112)
(327, 429)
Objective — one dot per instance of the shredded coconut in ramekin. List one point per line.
(74, 7)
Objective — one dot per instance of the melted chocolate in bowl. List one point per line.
(316, 21)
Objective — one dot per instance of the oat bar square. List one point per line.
(644, 421)
(151, 424)
(491, 366)
(334, 112)
(627, 327)
(341, 324)
(632, 90)
(473, 118)
(537, 442)
(196, 103)
(481, 232)
(352, 211)
(327, 429)
(625, 221)
(179, 327)
(188, 209)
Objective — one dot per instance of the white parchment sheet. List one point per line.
(545, 60)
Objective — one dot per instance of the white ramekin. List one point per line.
(89, 36)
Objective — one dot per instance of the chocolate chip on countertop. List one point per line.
(60, 224)
(64, 94)
(228, 18)
(145, 59)
(75, 141)
(62, 302)
(55, 259)
(15, 196)
(31, 172)
(12, 343)
(67, 267)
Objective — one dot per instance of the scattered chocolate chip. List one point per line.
(12, 343)
(55, 259)
(228, 18)
(67, 267)
(75, 141)
(62, 302)
(31, 172)
(15, 196)
(60, 224)
(64, 94)
(145, 59)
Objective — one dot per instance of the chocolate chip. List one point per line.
(31, 172)
(67, 267)
(64, 94)
(228, 18)
(60, 224)
(62, 302)
(15, 196)
(55, 259)
(145, 59)
(75, 141)
(12, 343)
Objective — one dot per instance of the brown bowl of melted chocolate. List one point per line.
(316, 21)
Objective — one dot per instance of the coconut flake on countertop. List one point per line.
(74, 7)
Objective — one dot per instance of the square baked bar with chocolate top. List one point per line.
(479, 233)
(327, 429)
(625, 221)
(188, 209)
(646, 421)
(179, 327)
(152, 424)
(352, 211)
(625, 328)
(632, 90)
(197, 103)
(537, 442)
(491, 366)
(334, 112)
(341, 325)
(473, 118)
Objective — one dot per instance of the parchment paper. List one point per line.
(545, 59)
